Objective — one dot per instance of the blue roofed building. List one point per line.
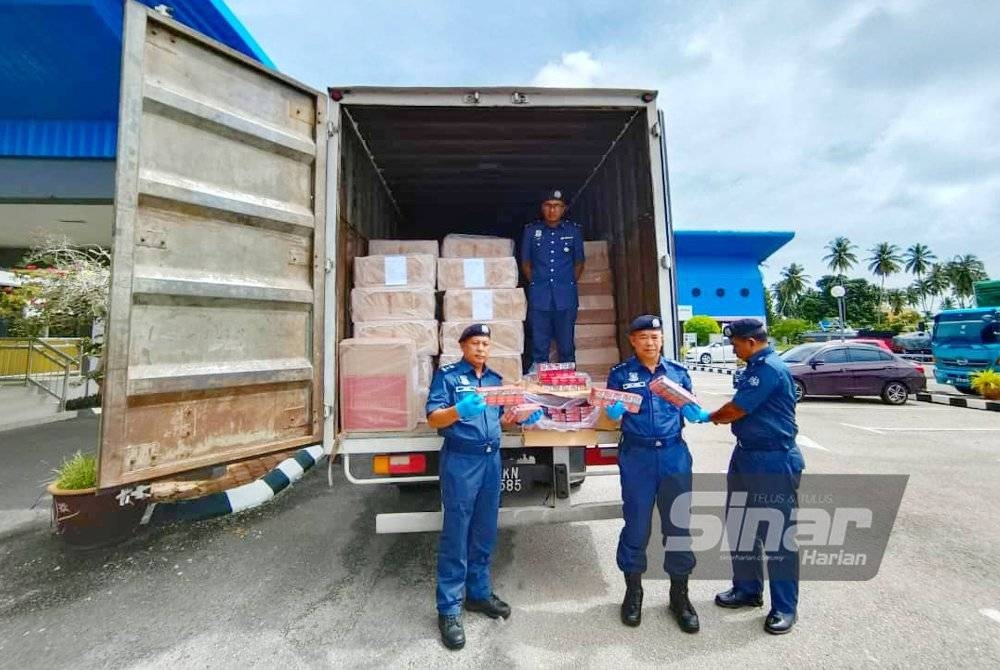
(718, 271)
(59, 77)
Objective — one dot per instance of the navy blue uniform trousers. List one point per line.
(559, 325)
(654, 475)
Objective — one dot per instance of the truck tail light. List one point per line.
(399, 464)
(601, 455)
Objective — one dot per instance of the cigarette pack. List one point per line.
(502, 395)
(672, 392)
(606, 397)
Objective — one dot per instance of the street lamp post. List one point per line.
(839, 292)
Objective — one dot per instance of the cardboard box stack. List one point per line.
(377, 382)
(479, 277)
(394, 299)
(596, 323)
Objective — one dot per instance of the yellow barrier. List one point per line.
(14, 355)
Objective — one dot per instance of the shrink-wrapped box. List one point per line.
(377, 384)
(380, 303)
(420, 406)
(507, 366)
(503, 304)
(476, 273)
(410, 270)
(595, 282)
(423, 333)
(403, 247)
(507, 337)
(603, 357)
(596, 253)
(476, 246)
(588, 302)
(425, 370)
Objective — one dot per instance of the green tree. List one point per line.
(963, 272)
(919, 260)
(885, 260)
(769, 314)
(788, 289)
(861, 302)
(896, 300)
(841, 258)
(703, 326)
(936, 284)
(788, 330)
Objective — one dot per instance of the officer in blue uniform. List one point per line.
(764, 471)
(552, 260)
(470, 484)
(655, 467)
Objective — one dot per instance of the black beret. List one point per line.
(746, 328)
(473, 330)
(552, 194)
(646, 322)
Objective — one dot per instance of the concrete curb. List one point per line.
(957, 401)
(51, 418)
(239, 498)
(709, 368)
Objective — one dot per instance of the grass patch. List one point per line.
(84, 403)
(77, 472)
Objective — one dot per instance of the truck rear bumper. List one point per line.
(421, 522)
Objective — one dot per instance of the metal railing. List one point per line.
(35, 362)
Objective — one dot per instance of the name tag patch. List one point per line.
(633, 385)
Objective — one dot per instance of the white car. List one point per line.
(717, 352)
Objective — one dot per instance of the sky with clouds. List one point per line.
(875, 120)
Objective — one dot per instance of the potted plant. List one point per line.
(86, 517)
(986, 383)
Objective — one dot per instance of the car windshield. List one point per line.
(802, 352)
(966, 332)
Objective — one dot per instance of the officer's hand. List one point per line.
(616, 411)
(472, 404)
(694, 413)
(533, 418)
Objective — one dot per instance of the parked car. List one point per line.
(717, 352)
(873, 341)
(851, 369)
(913, 343)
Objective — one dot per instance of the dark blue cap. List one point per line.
(553, 194)
(646, 322)
(746, 328)
(473, 330)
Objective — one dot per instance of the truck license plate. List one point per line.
(511, 479)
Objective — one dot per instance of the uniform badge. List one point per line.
(754, 381)
(656, 323)
(633, 376)
(462, 379)
(538, 232)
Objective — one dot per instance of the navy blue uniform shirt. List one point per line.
(552, 252)
(450, 384)
(766, 392)
(656, 417)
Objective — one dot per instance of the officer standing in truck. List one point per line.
(655, 467)
(765, 468)
(470, 471)
(552, 260)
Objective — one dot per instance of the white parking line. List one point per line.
(990, 614)
(883, 430)
(804, 441)
(865, 428)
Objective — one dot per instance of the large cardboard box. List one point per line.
(423, 333)
(507, 366)
(456, 273)
(507, 336)
(608, 329)
(377, 385)
(590, 316)
(420, 406)
(503, 304)
(596, 254)
(476, 246)
(605, 357)
(412, 270)
(425, 371)
(380, 303)
(559, 438)
(591, 302)
(595, 282)
(403, 247)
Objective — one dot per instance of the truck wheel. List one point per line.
(705, 359)
(895, 393)
(800, 391)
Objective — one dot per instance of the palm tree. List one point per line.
(936, 284)
(791, 286)
(948, 303)
(964, 272)
(841, 257)
(896, 299)
(883, 262)
(919, 259)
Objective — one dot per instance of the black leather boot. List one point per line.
(632, 604)
(452, 632)
(492, 607)
(681, 607)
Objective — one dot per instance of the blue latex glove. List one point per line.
(533, 418)
(472, 404)
(616, 411)
(694, 413)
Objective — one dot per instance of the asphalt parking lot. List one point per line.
(305, 582)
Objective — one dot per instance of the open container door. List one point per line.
(214, 339)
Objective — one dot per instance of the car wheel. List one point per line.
(967, 390)
(895, 393)
(800, 390)
(705, 359)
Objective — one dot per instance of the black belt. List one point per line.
(473, 448)
(640, 441)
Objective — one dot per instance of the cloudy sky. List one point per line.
(875, 120)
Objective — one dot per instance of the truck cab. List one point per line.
(965, 341)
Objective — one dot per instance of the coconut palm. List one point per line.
(964, 272)
(790, 287)
(896, 299)
(919, 260)
(884, 261)
(841, 258)
(936, 284)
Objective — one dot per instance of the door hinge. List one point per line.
(328, 265)
(327, 411)
(331, 129)
(655, 130)
(666, 262)
(519, 98)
